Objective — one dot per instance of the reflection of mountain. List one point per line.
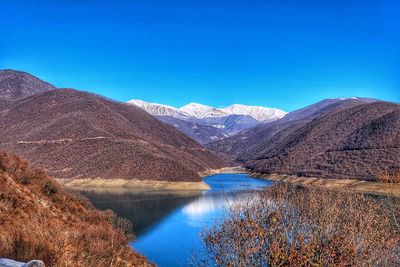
(143, 209)
(212, 202)
(207, 204)
(165, 220)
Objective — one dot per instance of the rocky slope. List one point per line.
(73, 134)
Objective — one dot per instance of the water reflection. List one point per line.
(144, 209)
(167, 223)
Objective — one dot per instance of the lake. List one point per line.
(167, 224)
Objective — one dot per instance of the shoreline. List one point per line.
(132, 184)
(359, 186)
(227, 170)
(82, 183)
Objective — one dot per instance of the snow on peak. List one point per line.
(262, 114)
(157, 109)
(347, 98)
(202, 111)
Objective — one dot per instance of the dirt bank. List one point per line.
(235, 169)
(134, 183)
(143, 184)
(341, 184)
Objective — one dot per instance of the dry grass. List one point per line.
(40, 220)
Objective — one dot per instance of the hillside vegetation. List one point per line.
(74, 134)
(346, 139)
(40, 220)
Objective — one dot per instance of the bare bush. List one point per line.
(291, 226)
(41, 220)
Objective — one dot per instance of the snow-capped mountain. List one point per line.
(262, 114)
(197, 120)
(158, 109)
(202, 111)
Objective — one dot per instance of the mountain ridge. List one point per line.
(200, 111)
(18, 84)
(75, 134)
(226, 121)
(346, 138)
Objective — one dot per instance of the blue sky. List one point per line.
(280, 53)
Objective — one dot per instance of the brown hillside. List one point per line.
(358, 142)
(40, 220)
(260, 137)
(77, 134)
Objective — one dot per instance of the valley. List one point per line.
(199, 133)
(177, 173)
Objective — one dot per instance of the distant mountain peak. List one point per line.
(202, 111)
(202, 122)
(262, 114)
(194, 104)
(158, 109)
(345, 98)
(17, 84)
(142, 102)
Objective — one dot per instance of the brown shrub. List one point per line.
(49, 188)
(391, 201)
(390, 178)
(41, 220)
(288, 226)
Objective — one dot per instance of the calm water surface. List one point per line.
(167, 224)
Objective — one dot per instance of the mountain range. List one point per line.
(75, 134)
(206, 124)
